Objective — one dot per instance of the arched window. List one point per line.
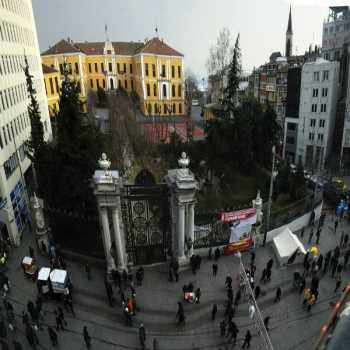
(173, 90)
(112, 84)
(154, 90)
(155, 108)
(165, 108)
(179, 90)
(148, 90)
(174, 108)
(104, 83)
(164, 90)
(149, 109)
(180, 108)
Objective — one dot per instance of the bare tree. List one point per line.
(219, 56)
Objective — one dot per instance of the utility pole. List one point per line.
(270, 193)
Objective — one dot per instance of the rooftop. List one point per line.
(153, 46)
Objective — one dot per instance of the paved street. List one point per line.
(291, 326)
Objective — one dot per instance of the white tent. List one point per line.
(287, 245)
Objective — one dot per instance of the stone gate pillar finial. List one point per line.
(183, 161)
(104, 163)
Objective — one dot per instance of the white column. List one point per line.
(118, 240)
(106, 237)
(181, 231)
(191, 225)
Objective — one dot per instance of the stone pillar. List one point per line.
(191, 226)
(181, 232)
(118, 240)
(106, 236)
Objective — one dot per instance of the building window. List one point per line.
(163, 70)
(155, 108)
(4, 133)
(149, 109)
(148, 90)
(154, 70)
(102, 67)
(290, 140)
(311, 136)
(89, 67)
(324, 92)
(179, 71)
(173, 71)
(173, 90)
(119, 84)
(322, 123)
(61, 68)
(124, 68)
(104, 83)
(91, 83)
(179, 90)
(164, 90)
(130, 67)
(320, 137)
(323, 107)
(180, 108)
(96, 69)
(174, 108)
(314, 107)
(165, 108)
(126, 84)
(109, 52)
(97, 83)
(57, 87)
(110, 66)
(325, 75)
(132, 84)
(146, 69)
(76, 68)
(312, 123)
(154, 90)
(316, 76)
(291, 126)
(51, 86)
(314, 92)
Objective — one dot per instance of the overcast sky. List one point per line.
(190, 26)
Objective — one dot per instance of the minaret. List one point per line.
(289, 35)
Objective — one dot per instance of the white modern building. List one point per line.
(317, 109)
(18, 36)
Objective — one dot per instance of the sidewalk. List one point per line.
(158, 298)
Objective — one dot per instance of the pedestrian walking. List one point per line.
(210, 253)
(318, 234)
(268, 275)
(311, 301)
(217, 254)
(252, 257)
(311, 234)
(337, 284)
(269, 264)
(336, 222)
(257, 291)
(155, 344)
(346, 258)
(170, 274)
(327, 261)
(266, 322)
(251, 311)
(87, 337)
(215, 269)
(142, 336)
(139, 275)
(346, 240)
(61, 315)
(247, 340)
(302, 285)
(342, 236)
(53, 336)
(263, 275)
(197, 294)
(306, 268)
(31, 252)
(336, 252)
(339, 270)
(334, 269)
(233, 331)
(31, 337)
(320, 262)
(278, 294)
(59, 323)
(68, 302)
(214, 310)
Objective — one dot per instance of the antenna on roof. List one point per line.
(156, 30)
(106, 32)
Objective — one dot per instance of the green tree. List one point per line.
(73, 156)
(36, 143)
(234, 72)
(283, 178)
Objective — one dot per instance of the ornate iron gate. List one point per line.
(146, 217)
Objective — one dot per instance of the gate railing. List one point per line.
(211, 234)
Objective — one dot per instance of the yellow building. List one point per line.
(152, 69)
(52, 81)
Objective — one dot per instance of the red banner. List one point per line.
(239, 246)
(238, 215)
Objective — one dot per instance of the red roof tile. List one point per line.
(159, 47)
(63, 46)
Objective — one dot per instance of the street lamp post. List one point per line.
(270, 194)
